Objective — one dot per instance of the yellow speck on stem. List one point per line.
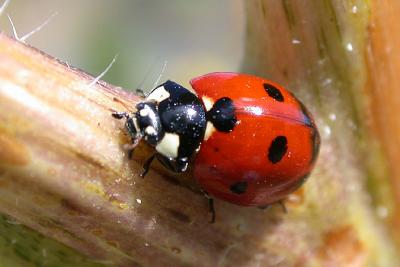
(95, 188)
(99, 190)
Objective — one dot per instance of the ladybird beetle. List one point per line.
(252, 141)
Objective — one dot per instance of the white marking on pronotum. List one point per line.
(144, 112)
(168, 146)
(4, 6)
(208, 102)
(150, 130)
(159, 94)
(95, 80)
(209, 130)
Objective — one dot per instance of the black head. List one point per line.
(173, 120)
(148, 121)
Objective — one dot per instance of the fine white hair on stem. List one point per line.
(139, 87)
(38, 28)
(161, 74)
(4, 6)
(26, 36)
(95, 80)
(13, 28)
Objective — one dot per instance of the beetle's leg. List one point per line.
(131, 147)
(266, 207)
(282, 204)
(178, 165)
(146, 165)
(135, 142)
(130, 126)
(211, 208)
(130, 153)
(120, 115)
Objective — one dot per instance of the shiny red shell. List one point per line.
(238, 166)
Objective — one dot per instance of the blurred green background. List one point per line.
(194, 37)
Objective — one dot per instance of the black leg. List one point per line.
(130, 126)
(210, 205)
(283, 206)
(266, 207)
(146, 166)
(130, 153)
(120, 115)
(211, 209)
(177, 165)
(130, 148)
(280, 202)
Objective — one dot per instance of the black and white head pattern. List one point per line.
(182, 118)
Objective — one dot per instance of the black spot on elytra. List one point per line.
(273, 92)
(222, 115)
(216, 149)
(239, 187)
(277, 149)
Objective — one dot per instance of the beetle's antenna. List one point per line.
(95, 80)
(4, 6)
(161, 74)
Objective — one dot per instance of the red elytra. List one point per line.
(271, 149)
